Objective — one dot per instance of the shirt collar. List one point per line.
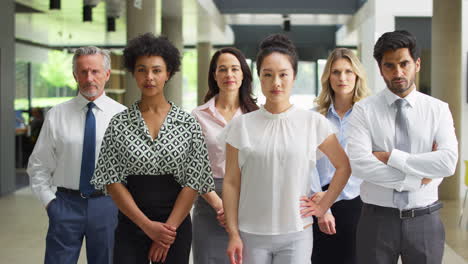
(332, 111)
(282, 115)
(211, 107)
(390, 97)
(82, 102)
(175, 114)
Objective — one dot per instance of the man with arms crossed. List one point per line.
(63, 161)
(402, 144)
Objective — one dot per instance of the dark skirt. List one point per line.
(155, 195)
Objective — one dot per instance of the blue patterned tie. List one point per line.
(402, 142)
(89, 153)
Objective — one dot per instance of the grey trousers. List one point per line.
(293, 248)
(382, 237)
(209, 239)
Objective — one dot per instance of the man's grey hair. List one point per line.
(91, 50)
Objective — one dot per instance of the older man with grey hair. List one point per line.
(63, 162)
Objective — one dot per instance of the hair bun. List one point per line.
(278, 41)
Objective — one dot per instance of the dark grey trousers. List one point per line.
(382, 237)
(210, 240)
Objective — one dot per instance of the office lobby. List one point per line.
(39, 38)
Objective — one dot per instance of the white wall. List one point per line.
(25, 29)
(29, 53)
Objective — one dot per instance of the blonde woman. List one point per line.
(343, 84)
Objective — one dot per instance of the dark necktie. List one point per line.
(89, 153)
(402, 142)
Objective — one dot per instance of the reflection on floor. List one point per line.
(455, 237)
(23, 225)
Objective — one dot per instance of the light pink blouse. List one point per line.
(212, 123)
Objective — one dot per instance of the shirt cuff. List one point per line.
(398, 159)
(47, 196)
(410, 183)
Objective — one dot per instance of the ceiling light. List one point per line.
(87, 13)
(88, 6)
(110, 24)
(286, 23)
(92, 3)
(114, 9)
(54, 4)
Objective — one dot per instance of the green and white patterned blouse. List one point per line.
(179, 149)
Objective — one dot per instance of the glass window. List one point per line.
(320, 68)
(189, 79)
(39, 86)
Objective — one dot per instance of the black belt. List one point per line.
(78, 193)
(410, 213)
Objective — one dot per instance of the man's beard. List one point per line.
(90, 93)
(398, 89)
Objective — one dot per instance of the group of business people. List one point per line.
(263, 179)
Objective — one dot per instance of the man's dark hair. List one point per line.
(397, 39)
(150, 45)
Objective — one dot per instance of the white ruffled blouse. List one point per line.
(277, 152)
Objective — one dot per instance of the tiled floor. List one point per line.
(23, 225)
(456, 238)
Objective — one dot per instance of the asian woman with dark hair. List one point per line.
(269, 156)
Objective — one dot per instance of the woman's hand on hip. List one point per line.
(309, 207)
(316, 197)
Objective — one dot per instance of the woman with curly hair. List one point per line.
(343, 84)
(153, 162)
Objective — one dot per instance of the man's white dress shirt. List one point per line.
(56, 158)
(372, 128)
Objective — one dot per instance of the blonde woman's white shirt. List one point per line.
(276, 154)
